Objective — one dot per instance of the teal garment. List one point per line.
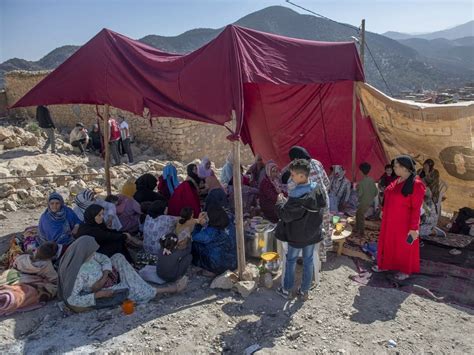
(366, 191)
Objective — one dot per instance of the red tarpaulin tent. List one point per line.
(284, 91)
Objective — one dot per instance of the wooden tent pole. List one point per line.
(354, 131)
(239, 215)
(107, 150)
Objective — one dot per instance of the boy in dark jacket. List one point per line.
(46, 123)
(300, 225)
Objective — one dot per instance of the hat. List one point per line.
(80, 124)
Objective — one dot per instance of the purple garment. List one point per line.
(128, 212)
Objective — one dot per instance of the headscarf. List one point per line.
(60, 215)
(74, 257)
(84, 199)
(275, 181)
(146, 182)
(170, 174)
(430, 163)
(407, 162)
(337, 177)
(297, 152)
(204, 172)
(91, 212)
(193, 175)
(157, 208)
(217, 217)
(213, 183)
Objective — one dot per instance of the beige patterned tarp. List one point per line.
(444, 133)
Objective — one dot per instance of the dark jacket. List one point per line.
(300, 219)
(172, 267)
(44, 118)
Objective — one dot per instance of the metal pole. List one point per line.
(107, 150)
(239, 215)
(362, 43)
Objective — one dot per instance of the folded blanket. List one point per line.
(17, 298)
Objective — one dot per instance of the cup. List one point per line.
(128, 307)
(339, 228)
(335, 219)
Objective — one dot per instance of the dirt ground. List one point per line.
(342, 317)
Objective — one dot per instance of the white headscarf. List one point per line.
(204, 172)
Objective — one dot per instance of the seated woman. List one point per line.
(270, 188)
(430, 177)
(168, 181)
(186, 194)
(146, 185)
(249, 194)
(429, 218)
(216, 194)
(128, 212)
(87, 277)
(204, 169)
(339, 189)
(58, 223)
(214, 247)
(110, 241)
(256, 172)
(174, 261)
(157, 224)
(31, 280)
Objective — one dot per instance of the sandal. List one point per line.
(400, 276)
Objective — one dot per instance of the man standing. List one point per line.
(114, 139)
(79, 138)
(46, 123)
(125, 135)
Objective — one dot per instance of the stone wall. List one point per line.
(179, 139)
(3, 103)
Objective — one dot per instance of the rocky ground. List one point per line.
(342, 316)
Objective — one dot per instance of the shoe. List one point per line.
(401, 276)
(287, 295)
(375, 268)
(303, 296)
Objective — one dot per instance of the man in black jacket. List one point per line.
(300, 225)
(46, 123)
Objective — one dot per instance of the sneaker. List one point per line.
(303, 296)
(283, 293)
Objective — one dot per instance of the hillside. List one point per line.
(464, 30)
(401, 64)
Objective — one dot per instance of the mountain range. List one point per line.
(406, 63)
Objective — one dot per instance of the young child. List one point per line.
(300, 224)
(185, 227)
(366, 192)
(174, 262)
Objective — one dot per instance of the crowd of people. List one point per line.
(88, 250)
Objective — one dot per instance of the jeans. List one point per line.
(308, 267)
(128, 149)
(50, 141)
(80, 144)
(114, 146)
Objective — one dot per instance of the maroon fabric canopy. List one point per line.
(285, 91)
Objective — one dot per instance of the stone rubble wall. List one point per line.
(179, 139)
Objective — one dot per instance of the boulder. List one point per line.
(22, 193)
(245, 288)
(6, 190)
(2, 216)
(25, 183)
(36, 196)
(251, 273)
(31, 140)
(9, 206)
(41, 170)
(12, 142)
(225, 281)
(4, 172)
(64, 192)
(5, 133)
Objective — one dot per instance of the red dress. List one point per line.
(185, 195)
(400, 215)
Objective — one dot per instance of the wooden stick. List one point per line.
(239, 215)
(107, 150)
(354, 130)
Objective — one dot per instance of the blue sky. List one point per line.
(29, 29)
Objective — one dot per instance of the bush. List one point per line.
(32, 127)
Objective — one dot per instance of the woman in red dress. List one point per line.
(269, 189)
(401, 218)
(186, 194)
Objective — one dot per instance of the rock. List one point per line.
(5, 133)
(77, 186)
(12, 142)
(2, 216)
(245, 288)
(9, 206)
(4, 172)
(35, 196)
(22, 193)
(25, 183)
(64, 192)
(225, 281)
(251, 273)
(6, 190)
(32, 141)
(41, 170)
